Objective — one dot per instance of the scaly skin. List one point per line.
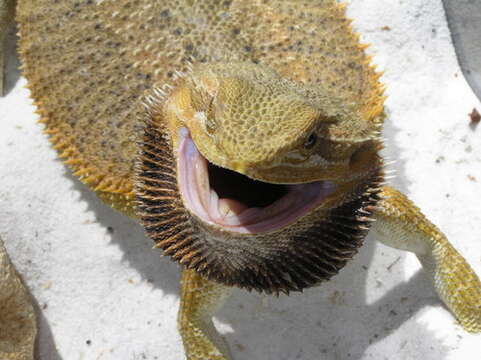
(18, 325)
(400, 224)
(200, 299)
(278, 91)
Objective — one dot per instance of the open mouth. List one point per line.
(238, 203)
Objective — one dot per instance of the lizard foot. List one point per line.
(401, 225)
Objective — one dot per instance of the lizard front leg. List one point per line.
(6, 17)
(400, 224)
(200, 299)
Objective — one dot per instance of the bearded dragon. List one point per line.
(17, 318)
(243, 135)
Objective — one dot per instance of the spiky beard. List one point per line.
(311, 250)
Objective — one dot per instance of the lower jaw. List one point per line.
(204, 202)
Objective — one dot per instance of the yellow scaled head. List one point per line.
(246, 118)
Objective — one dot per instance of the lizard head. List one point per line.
(265, 169)
(246, 118)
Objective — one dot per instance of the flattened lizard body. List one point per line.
(90, 65)
(195, 66)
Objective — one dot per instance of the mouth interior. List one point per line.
(229, 184)
(238, 203)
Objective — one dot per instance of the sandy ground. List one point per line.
(102, 293)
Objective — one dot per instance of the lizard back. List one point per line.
(90, 63)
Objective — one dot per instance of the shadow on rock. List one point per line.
(125, 232)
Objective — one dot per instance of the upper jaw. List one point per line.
(236, 215)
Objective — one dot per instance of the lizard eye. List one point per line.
(310, 141)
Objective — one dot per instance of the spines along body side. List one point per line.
(89, 66)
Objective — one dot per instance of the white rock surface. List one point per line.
(103, 294)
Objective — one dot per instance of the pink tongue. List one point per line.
(229, 207)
